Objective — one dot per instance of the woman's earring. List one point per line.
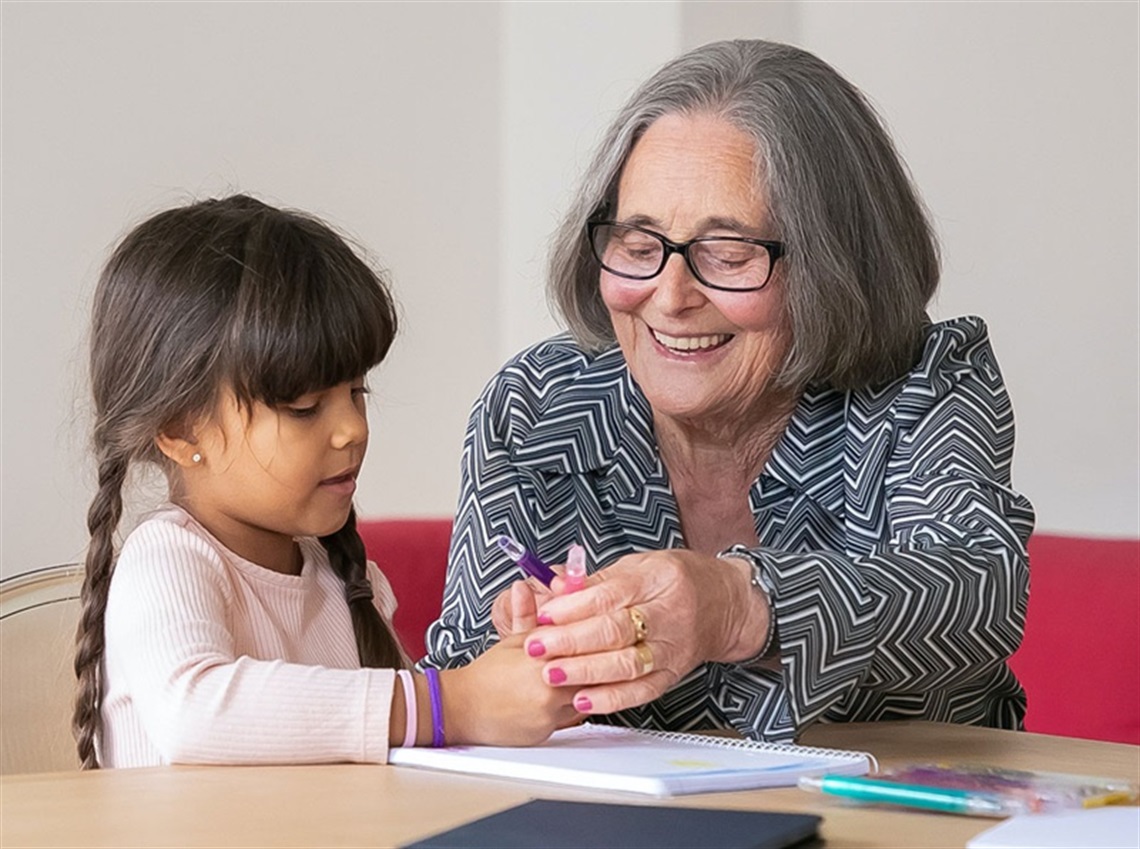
(197, 458)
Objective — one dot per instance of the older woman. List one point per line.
(792, 488)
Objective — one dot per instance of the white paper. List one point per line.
(1097, 828)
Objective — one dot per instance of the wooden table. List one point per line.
(355, 805)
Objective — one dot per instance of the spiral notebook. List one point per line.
(659, 763)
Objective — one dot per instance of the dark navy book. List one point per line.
(552, 824)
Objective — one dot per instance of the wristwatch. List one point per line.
(762, 583)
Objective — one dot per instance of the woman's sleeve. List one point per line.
(169, 645)
(939, 598)
(490, 503)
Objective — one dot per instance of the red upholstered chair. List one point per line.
(413, 554)
(1080, 660)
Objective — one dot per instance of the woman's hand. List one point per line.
(502, 699)
(695, 608)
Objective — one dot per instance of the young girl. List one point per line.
(241, 622)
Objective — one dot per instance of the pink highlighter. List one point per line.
(575, 568)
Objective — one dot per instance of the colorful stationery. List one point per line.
(977, 790)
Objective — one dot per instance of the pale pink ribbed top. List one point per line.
(213, 659)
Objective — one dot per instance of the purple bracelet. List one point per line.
(438, 741)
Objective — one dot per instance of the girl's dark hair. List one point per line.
(221, 294)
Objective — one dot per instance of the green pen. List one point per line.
(912, 795)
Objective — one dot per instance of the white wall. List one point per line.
(383, 118)
(403, 122)
(1019, 121)
(565, 70)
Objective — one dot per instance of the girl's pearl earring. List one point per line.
(197, 458)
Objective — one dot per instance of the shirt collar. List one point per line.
(601, 422)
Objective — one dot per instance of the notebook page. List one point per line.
(660, 764)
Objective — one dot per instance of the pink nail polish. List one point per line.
(535, 648)
(583, 705)
(543, 619)
(556, 675)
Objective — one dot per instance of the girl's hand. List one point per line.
(515, 609)
(502, 699)
(695, 608)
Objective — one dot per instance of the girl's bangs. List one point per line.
(310, 315)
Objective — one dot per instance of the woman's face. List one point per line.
(699, 354)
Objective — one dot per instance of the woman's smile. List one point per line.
(690, 346)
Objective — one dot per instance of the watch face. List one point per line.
(760, 579)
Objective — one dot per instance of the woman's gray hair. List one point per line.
(862, 260)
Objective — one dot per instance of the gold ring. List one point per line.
(645, 657)
(640, 626)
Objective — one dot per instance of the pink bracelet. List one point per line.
(410, 711)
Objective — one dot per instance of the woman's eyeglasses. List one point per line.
(730, 263)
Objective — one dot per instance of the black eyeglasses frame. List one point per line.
(775, 251)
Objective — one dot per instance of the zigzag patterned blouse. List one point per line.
(890, 533)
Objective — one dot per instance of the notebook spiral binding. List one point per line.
(744, 743)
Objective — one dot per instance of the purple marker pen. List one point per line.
(527, 561)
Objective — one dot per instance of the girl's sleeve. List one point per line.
(938, 603)
(170, 647)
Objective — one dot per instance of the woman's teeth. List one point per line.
(691, 343)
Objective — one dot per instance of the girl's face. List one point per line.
(269, 474)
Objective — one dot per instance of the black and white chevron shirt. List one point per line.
(888, 527)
